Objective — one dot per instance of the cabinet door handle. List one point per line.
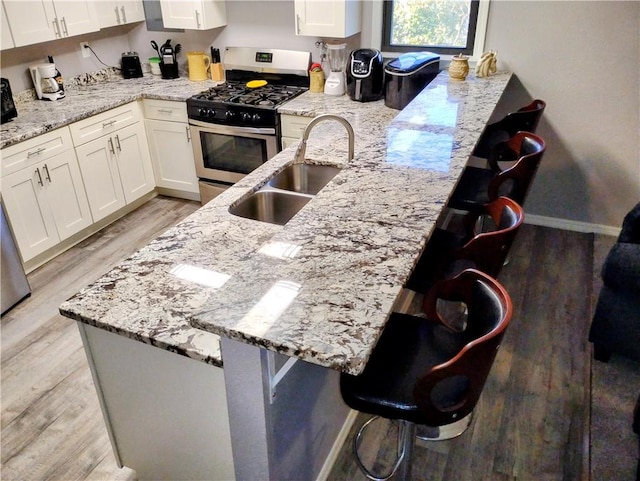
(165, 111)
(197, 19)
(39, 177)
(298, 24)
(188, 134)
(113, 151)
(56, 28)
(117, 15)
(124, 15)
(118, 144)
(108, 124)
(64, 27)
(36, 152)
(46, 172)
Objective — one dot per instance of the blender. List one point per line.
(334, 85)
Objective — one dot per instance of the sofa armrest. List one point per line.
(630, 231)
(621, 269)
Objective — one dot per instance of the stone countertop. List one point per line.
(321, 287)
(35, 117)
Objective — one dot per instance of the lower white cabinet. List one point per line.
(114, 158)
(46, 203)
(292, 128)
(116, 169)
(170, 147)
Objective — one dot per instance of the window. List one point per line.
(439, 26)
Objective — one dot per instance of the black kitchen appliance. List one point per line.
(8, 106)
(407, 75)
(130, 65)
(365, 75)
(235, 126)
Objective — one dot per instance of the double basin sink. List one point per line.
(285, 194)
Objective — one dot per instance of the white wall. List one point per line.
(583, 59)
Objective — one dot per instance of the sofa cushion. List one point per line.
(621, 269)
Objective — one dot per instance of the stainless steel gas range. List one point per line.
(235, 126)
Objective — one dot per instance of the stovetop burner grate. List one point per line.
(239, 93)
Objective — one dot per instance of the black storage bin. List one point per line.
(169, 70)
(407, 75)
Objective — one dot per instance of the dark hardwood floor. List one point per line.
(532, 422)
(532, 419)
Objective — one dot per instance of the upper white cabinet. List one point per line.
(194, 14)
(45, 20)
(119, 12)
(329, 18)
(7, 39)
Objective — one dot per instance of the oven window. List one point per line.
(232, 153)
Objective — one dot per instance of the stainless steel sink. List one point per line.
(275, 207)
(304, 178)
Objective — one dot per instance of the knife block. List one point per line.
(169, 70)
(217, 72)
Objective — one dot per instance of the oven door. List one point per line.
(226, 154)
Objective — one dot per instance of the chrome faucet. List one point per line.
(302, 147)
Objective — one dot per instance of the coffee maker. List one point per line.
(365, 75)
(44, 80)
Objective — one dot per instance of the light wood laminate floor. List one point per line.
(531, 423)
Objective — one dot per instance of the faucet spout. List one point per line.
(302, 147)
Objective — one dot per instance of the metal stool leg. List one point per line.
(406, 437)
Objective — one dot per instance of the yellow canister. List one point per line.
(316, 81)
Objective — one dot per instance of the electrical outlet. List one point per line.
(84, 49)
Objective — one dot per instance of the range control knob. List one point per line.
(246, 117)
(230, 115)
(255, 118)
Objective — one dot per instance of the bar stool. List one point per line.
(525, 119)
(479, 186)
(430, 371)
(484, 244)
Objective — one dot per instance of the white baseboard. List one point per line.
(571, 225)
(337, 446)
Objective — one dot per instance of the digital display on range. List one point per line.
(264, 57)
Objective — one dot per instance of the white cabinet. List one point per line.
(170, 146)
(6, 39)
(327, 18)
(43, 192)
(114, 159)
(292, 128)
(45, 20)
(119, 12)
(194, 14)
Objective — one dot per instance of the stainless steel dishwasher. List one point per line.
(15, 286)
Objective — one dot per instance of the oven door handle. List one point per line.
(231, 130)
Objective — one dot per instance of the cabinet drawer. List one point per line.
(42, 147)
(105, 123)
(165, 110)
(294, 125)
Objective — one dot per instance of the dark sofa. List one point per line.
(616, 324)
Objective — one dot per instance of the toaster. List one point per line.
(130, 65)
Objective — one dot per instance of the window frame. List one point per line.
(387, 12)
(377, 23)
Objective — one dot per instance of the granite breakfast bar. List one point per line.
(292, 305)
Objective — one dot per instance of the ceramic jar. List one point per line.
(459, 67)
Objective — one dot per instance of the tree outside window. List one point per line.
(440, 26)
